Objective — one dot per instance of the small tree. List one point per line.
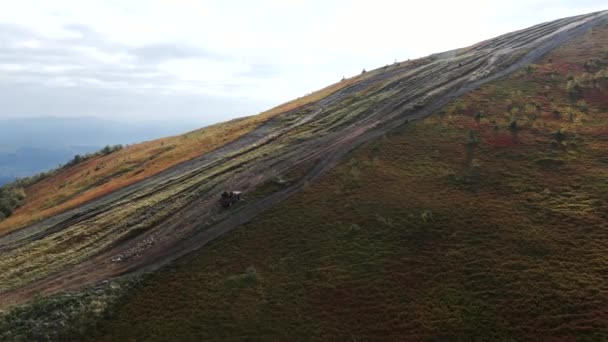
(513, 122)
(560, 135)
(472, 139)
(478, 117)
(530, 69)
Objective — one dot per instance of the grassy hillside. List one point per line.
(485, 220)
(96, 177)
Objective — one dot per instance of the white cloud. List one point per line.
(255, 53)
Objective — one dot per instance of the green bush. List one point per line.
(513, 126)
(81, 158)
(530, 69)
(582, 105)
(560, 135)
(249, 278)
(574, 88)
(472, 140)
(64, 316)
(11, 196)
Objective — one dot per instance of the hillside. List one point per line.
(456, 196)
(96, 177)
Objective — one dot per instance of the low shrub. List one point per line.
(61, 317)
(11, 197)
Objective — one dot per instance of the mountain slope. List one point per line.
(100, 176)
(454, 227)
(370, 232)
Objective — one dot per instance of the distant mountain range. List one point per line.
(32, 145)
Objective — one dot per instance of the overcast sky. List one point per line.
(205, 61)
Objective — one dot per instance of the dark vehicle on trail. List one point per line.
(229, 198)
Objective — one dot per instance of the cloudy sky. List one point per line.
(205, 61)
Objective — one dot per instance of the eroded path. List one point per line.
(151, 223)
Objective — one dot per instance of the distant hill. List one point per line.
(32, 145)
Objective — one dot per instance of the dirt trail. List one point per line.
(149, 224)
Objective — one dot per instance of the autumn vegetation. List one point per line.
(486, 220)
(483, 221)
